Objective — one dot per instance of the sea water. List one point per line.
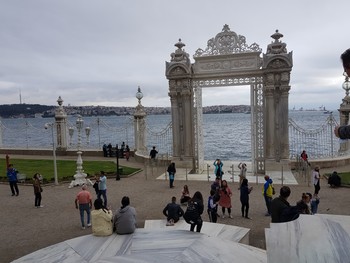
(226, 136)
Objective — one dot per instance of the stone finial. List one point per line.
(277, 46)
(59, 101)
(180, 55)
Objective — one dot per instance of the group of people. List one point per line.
(220, 195)
(123, 151)
(101, 219)
(193, 213)
(282, 211)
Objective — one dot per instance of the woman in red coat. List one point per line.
(225, 198)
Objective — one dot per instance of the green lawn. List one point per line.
(65, 169)
(345, 178)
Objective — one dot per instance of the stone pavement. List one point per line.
(278, 177)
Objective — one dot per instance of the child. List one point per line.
(212, 207)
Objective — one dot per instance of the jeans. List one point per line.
(82, 208)
(104, 194)
(268, 203)
(37, 199)
(13, 186)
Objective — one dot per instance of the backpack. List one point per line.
(191, 215)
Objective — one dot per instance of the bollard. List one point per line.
(208, 171)
(282, 175)
(233, 173)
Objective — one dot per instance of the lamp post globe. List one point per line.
(139, 94)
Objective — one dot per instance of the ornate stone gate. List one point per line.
(229, 61)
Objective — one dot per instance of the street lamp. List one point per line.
(79, 124)
(51, 125)
(139, 94)
(346, 84)
(80, 176)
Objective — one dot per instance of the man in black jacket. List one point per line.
(173, 212)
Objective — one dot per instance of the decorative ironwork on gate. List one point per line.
(318, 143)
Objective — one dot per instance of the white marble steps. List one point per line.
(225, 232)
(310, 238)
(156, 243)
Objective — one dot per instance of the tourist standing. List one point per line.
(343, 132)
(225, 199)
(171, 171)
(267, 192)
(127, 152)
(218, 164)
(109, 149)
(124, 221)
(37, 190)
(316, 180)
(242, 173)
(212, 207)
(12, 178)
(102, 188)
(83, 202)
(173, 212)
(153, 153)
(194, 211)
(244, 197)
(101, 219)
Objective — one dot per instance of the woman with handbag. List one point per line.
(37, 190)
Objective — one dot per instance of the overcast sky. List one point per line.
(98, 52)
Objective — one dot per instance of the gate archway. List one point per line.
(229, 61)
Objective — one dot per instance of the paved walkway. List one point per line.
(25, 229)
(278, 177)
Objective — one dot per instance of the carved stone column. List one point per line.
(140, 127)
(61, 126)
(179, 74)
(277, 65)
(270, 119)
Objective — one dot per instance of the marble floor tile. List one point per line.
(310, 238)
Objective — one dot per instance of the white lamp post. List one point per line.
(80, 176)
(51, 125)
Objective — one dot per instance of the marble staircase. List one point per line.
(310, 238)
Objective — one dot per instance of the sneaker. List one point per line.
(223, 216)
(83, 227)
(17, 194)
(88, 225)
(247, 217)
(168, 223)
(230, 216)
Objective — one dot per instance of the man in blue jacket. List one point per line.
(12, 177)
